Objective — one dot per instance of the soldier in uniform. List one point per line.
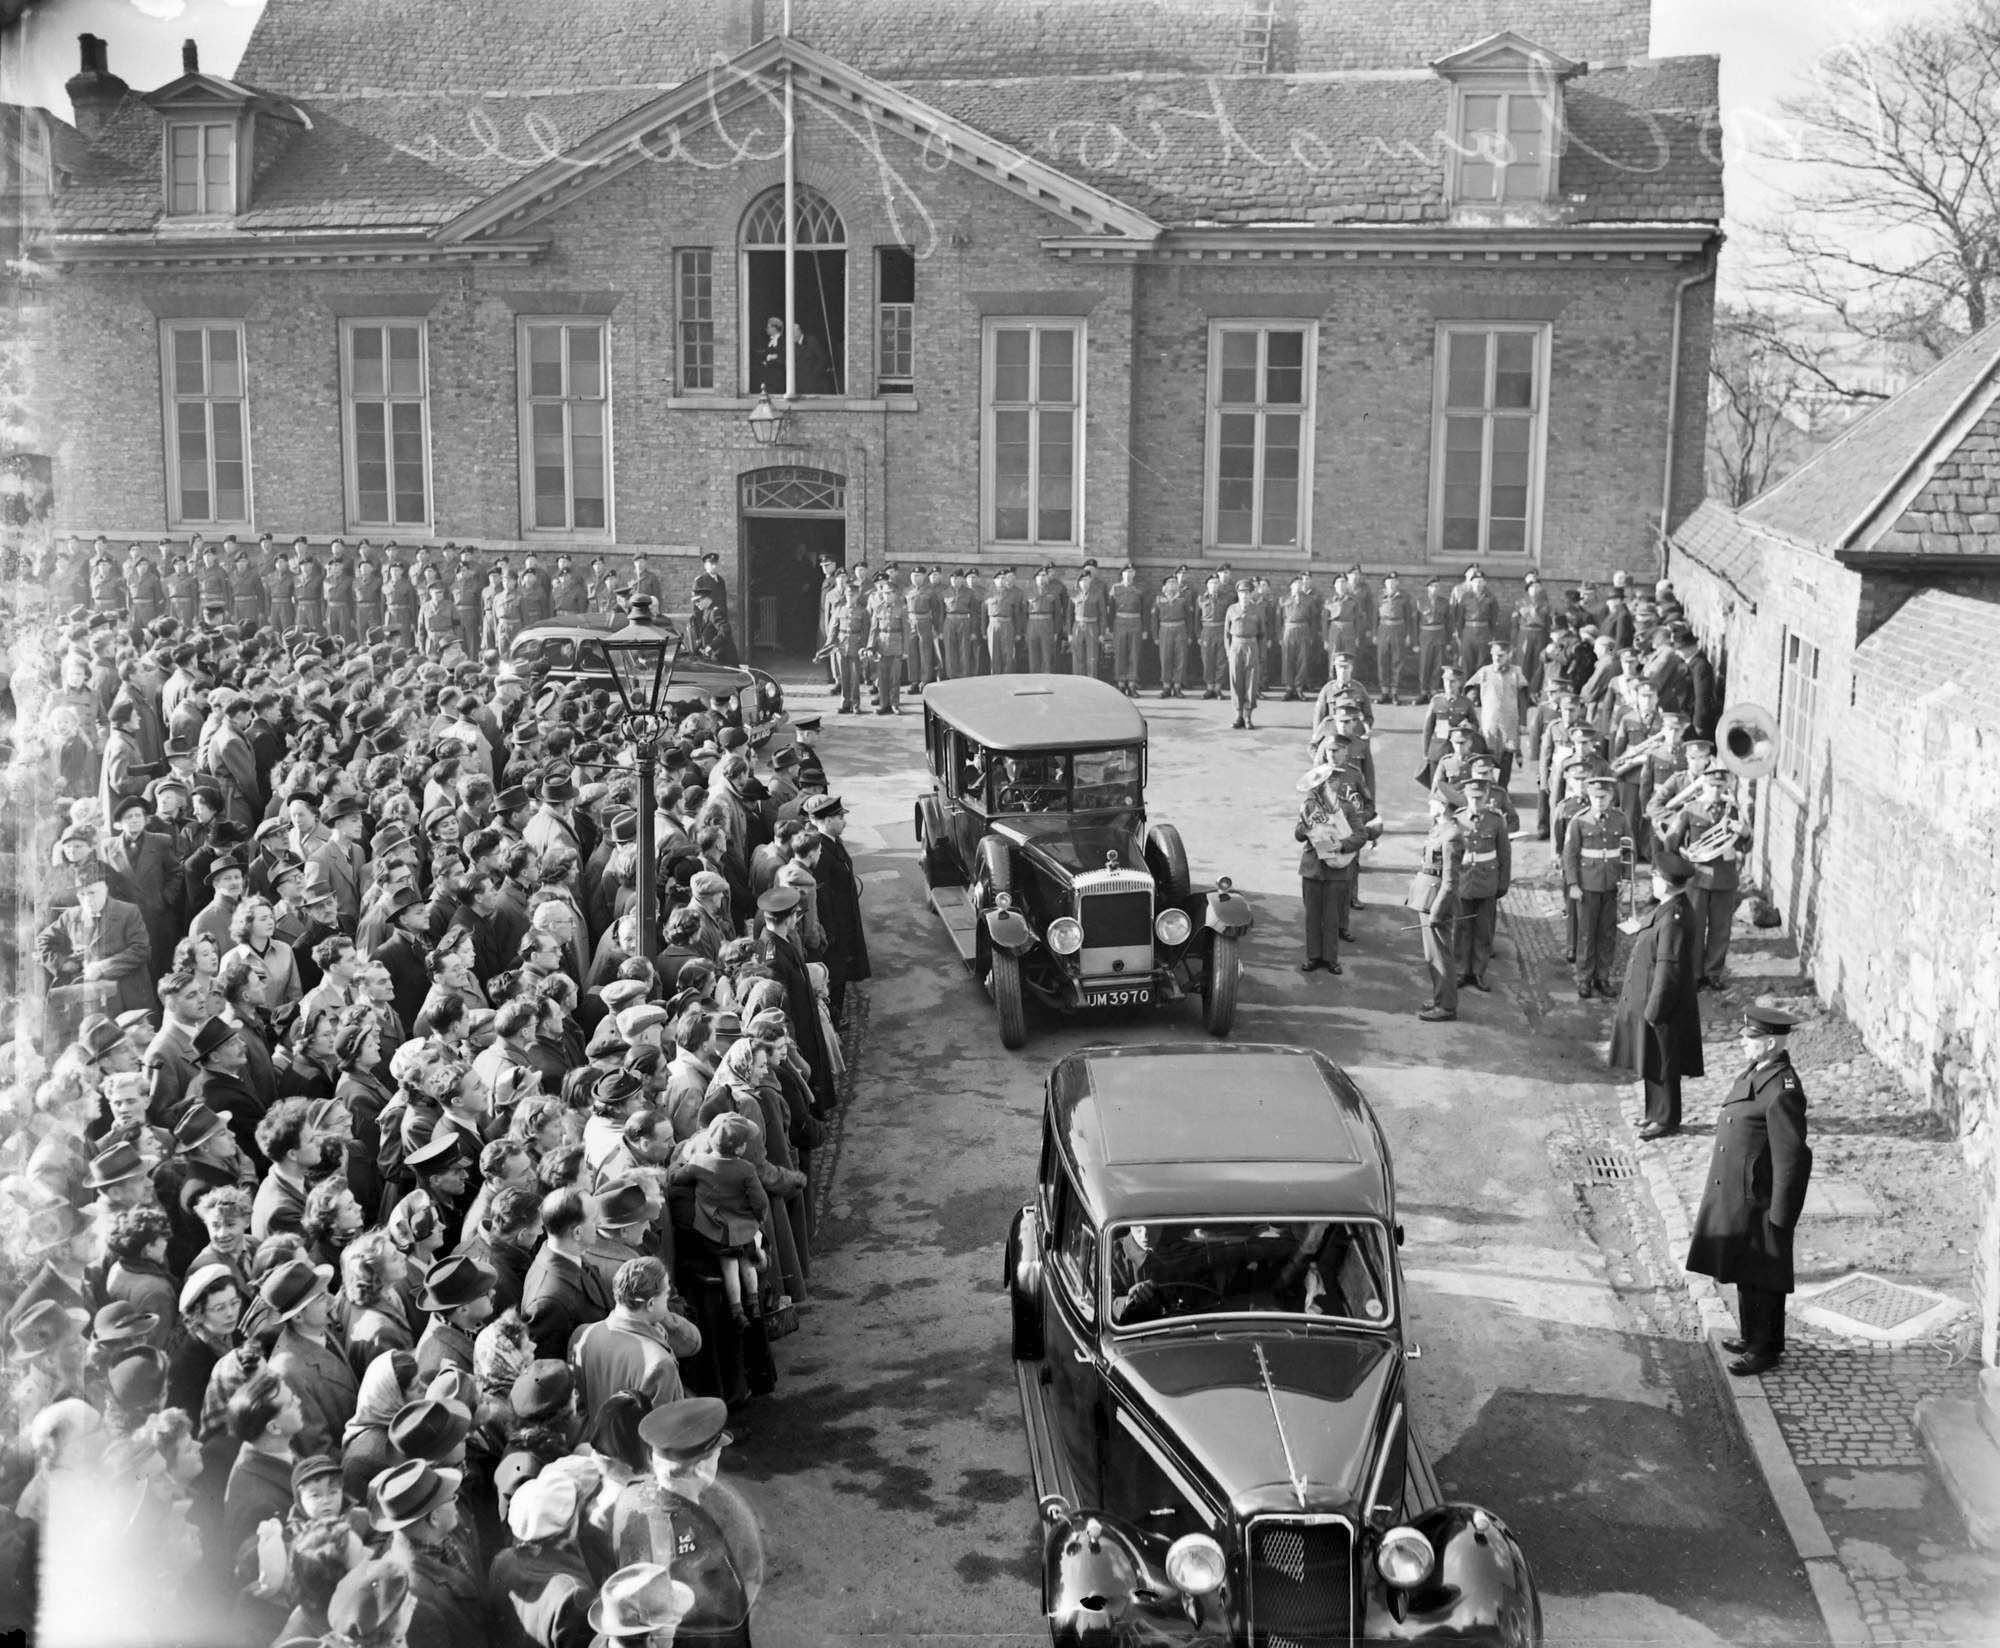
(1434, 896)
(1661, 773)
(1341, 687)
(709, 582)
(1295, 638)
(1210, 609)
(369, 610)
(1000, 624)
(1487, 873)
(212, 579)
(1334, 824)
(144, 598)
(246, 590)
(1449, 705)
(532, 587)
(604, 587)
(281, 593)
(1717, 884)
(1532, 624)
(401, 599)
(961, 624)
(568, 595)
(644, 582)
(70, 572)
(1434, 637)
(503, 611)
(1478, 620)
(467, 586)
(1631, 730)
(1343, 620)
(183, 591)
(1128, 630)
(437, 619)
(888, 638)
(1395, 635)
(1045, 604)
(850, 636)
(1170, 636)
(1243, 634)
(342, 617)
(1757, 1178)
(1593, 863)
(1584, 761)
(308, 587)
(1090, 613)
(1656, 1032)
(923, 609)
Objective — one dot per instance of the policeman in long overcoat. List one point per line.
(1656, 1033)
(1756, 1189)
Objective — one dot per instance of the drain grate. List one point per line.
(1610, 1166)
(1868, 1307)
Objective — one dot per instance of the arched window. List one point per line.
(819, 295)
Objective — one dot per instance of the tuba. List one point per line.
(1746, 741)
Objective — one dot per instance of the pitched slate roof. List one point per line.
(344, 47)
(1714, 537)
(1841, 498)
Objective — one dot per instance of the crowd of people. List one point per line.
(398, 1219)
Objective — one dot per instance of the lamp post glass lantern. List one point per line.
(767, 422)
(643, 653)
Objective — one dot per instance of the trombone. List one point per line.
(1628, 886)
(1637, 753)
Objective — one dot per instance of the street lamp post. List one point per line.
(643, 653)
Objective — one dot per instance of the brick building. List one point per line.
(1307, 281)
(1859, 601)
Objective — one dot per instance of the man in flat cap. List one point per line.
(1757, 1179)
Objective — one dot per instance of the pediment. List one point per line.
(1505, 53)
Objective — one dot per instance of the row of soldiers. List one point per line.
(948, 623)
(416, 595)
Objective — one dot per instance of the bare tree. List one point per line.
(1894, 235)
(1760, 403)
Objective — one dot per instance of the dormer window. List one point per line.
(1506, 122)
(201, 168)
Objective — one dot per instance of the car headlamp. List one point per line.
(1195, 1564)
(1405, 1558)
(1065, 935)
(1173, 926)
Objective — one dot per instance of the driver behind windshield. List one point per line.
(1156, 1272)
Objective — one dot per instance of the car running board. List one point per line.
(961, 920)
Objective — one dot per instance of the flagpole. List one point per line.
(791, 221)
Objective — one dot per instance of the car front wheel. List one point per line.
(1005, 981)
(1219, 980)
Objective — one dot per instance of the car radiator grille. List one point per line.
(1300, 1584)
(1116, 920)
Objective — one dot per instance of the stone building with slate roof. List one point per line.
(1318, 283)
(1859, 601)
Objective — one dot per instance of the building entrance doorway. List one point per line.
(791, 516)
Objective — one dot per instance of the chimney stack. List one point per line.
(94, 91)
(190, 58)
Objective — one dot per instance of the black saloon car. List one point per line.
(570, 650)
(1041, 862)
(1208, 1321)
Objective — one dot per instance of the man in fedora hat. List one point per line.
(458, 1295)
(295, 1294)
(640, 1604)
(340, 854)
(405, 951)
(99, 941)
(221, 1083)
(554, 823)
(227, 879)
(417, 1502)
(49, 1352)
(715, 1549)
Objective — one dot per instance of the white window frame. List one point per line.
(1547, 99)
(1306, 410)
(990, 331)
(201, 128)
(350, 444)
(682, 322)
(171, 400)
(751, 348)
(526, 402)
(902, 314)
(1801, 693)
(1530, 553)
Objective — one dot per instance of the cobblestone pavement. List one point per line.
(1892, 1195)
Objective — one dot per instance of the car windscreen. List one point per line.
(1061, 781)
(1176, 1270)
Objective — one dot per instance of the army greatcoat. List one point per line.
(1757, 1179)
(1659, 994)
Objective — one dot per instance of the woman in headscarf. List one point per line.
(747, 1083)
(387, 1383)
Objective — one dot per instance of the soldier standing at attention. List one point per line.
(923, 607)
(400, 598)
(533, 588)
(1128, 630)
(1434, 896)
(1243, 634)
(1449, 705)
(888, 636)
(1295, 638)
(1593, 865)
(1478, 620)
(1343, 620)
(214, 580)
(1532, 623)
(850, 635)
(1756, 1191)
(567, 595)
(1717, 881)
(1000, 623)
(437, 619)
(309, 588)
(341, 615)
(145, 597)
(107, 583)
(368, 607)
(1170, 636)
(709, 582)
(1656, 1032)
(184, 592)
(1434, 638)
(503, 611)
(1090, 614)
(961, 622)
(1210, 609)
(1044, 608)
(644, 582)
(1488, 873)
(1395, 635)
(466, 587)
(603, 585)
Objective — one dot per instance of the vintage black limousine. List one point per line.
(1208, 1322)
(1040, 861)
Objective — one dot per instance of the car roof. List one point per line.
(1036, 712)
(1190, 1130)
(693, 677)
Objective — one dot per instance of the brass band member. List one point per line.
(1335, 823)
(1593, 864)
(1434, 896)
(1712, 832)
